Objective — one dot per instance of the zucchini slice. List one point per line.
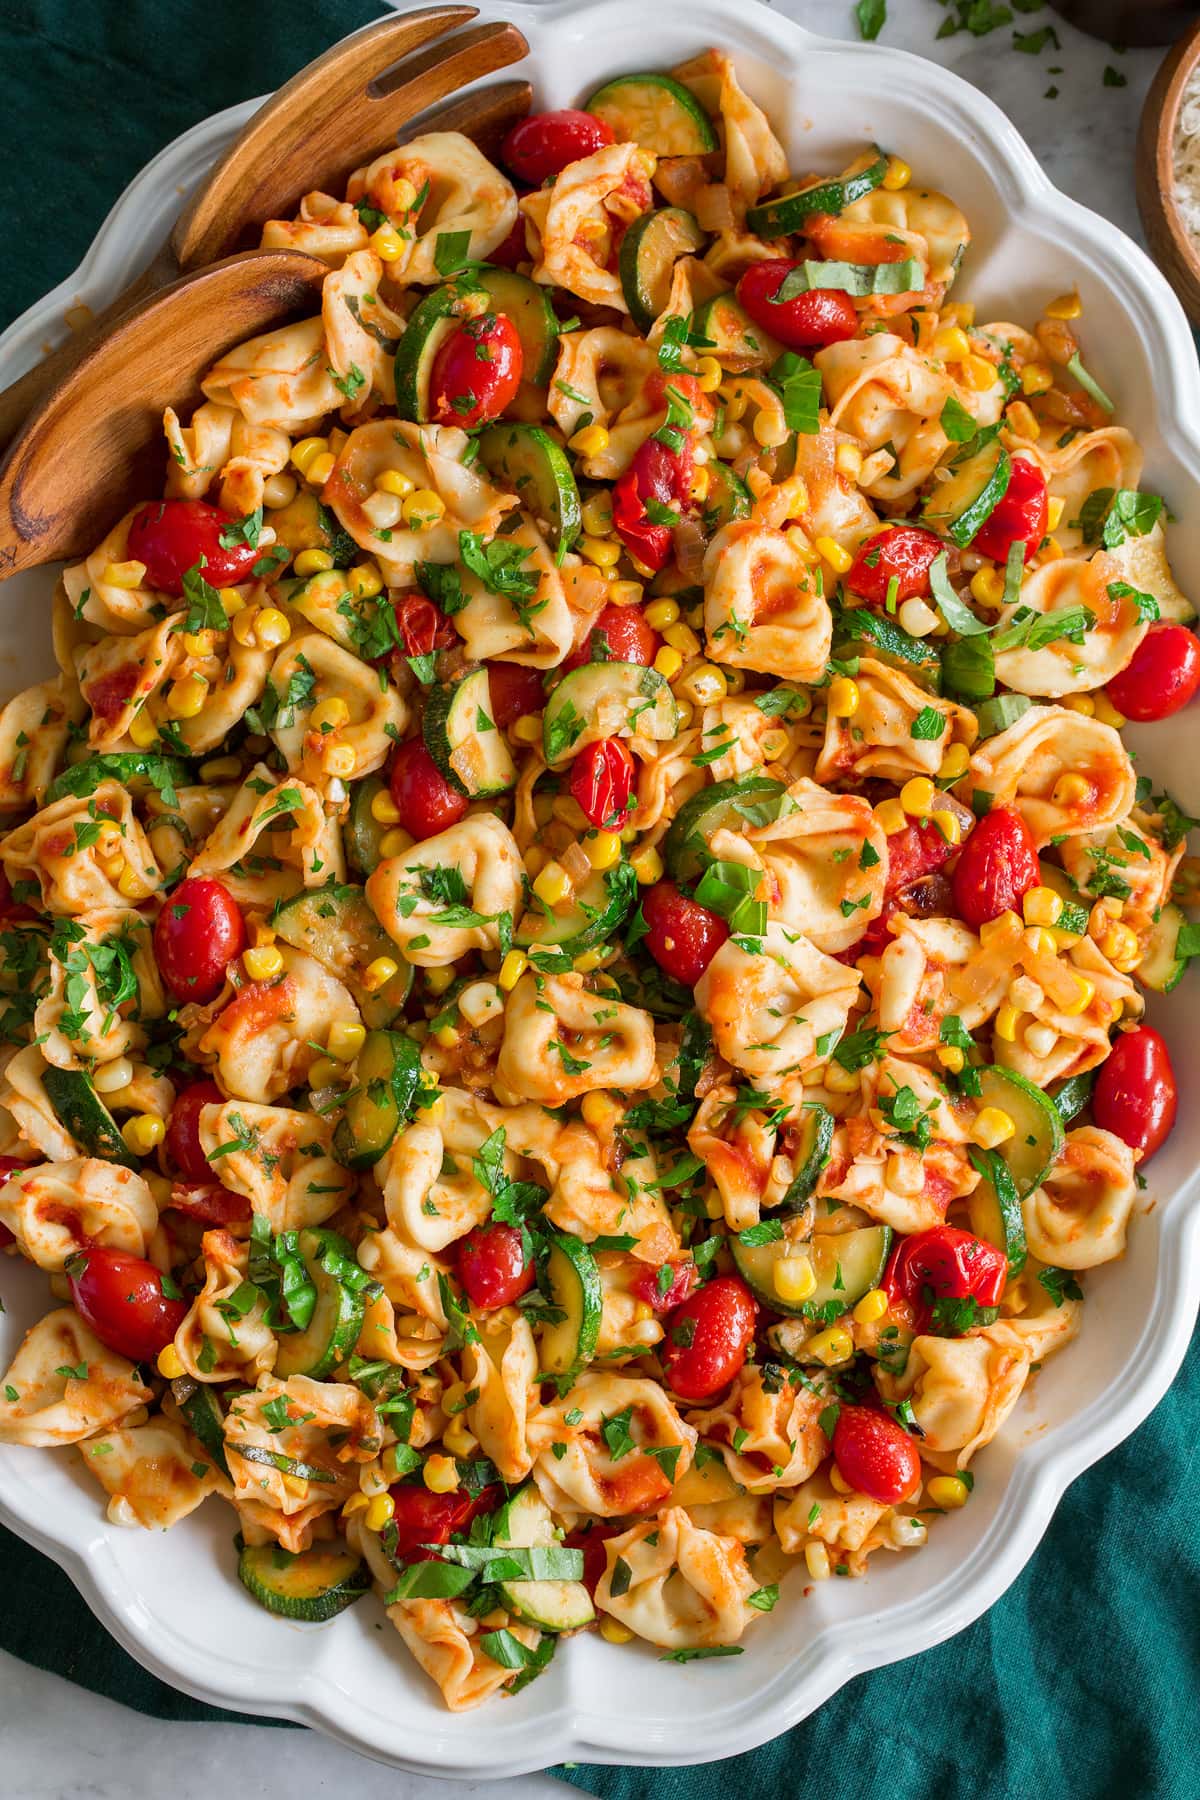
(201, 1409)
(1073, 1095)
(553, 1605)
(738, 344)
(591, 917)
(125, 766)
(1036, 1144)
(427, 330)
(309, 1585)
(335, 925)
(363, 832)
(533, 465)
(80, 1111)
(1161, 967)
(574, 1283)
(994, 1210)
(649, 251)
(656, 112)
(533, 318)
(958, 506)
(387, 1075)
(463, 740)
(729, 804)
(602, 700)
(337, 1317)
(847, 1264)
(816, 1139)
(728, 498)
(787, 212)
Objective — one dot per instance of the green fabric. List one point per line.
(1081, 1681)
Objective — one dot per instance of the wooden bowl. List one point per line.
(1173, 249)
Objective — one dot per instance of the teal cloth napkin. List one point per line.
(1082, 1680)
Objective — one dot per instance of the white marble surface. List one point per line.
(61, 1743)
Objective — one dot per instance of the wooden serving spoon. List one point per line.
(325, 122)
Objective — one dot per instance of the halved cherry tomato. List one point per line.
(422, 626)
(210, 1204)
(1022, 513)
(618, 634)
(996, 868)
(543, 145)
(602, 781)
(707, 1338)
(514, 690)
(121, 1297)
(199, 930)
(914, 884)
(492, 1266)
(653, 1287)
(817, 316)
(660, 476)
(948, 1264)
(1135, 1096)
(591, 1539)
(426, 801)
(875, 1455)
(681, 936)
(183, 1129)
(7, 1165)
(904, 554)
(422, 1517)
(173, 536)
(1161, 676)
(476, 371)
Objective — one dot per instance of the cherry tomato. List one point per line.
(602, 781)
(422, 626)
(820, 316)
(875, 1455)
(514, 691)
(172, 536)
(543, 145)
(199, 930)
(903, 553)
(660, 475)
(653, 1286)
(1161, 676)
(681, 936)
(422, 1517)
(949, 1264)
(426, 801)
(707, 1338)
(121, 1297)
(492, 1266)
(996, 868)
(210, 1204)
(914, 884)
(7, 1165)
(513, 250)
(618, 634)
(476, 371)
(183, 1129)
(591, 1539)
(1135, 1096)
(1021, 514)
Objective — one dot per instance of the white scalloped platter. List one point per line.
(172, 1599)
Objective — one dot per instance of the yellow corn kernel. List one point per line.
(625, 593)
(596, 515)
(599, 1110)
(838, 559)
(384, 810)
(1006, 1023)
(143, 1133)
(614, 1632)
(668, 662)
(1042, 906)
(647, 865)
(131, 883)
(438, 980)
(113, 866)
(589, 442)
(243, 627)
(422, 508)
(272, 629)
(951, 1057)
(774, 744)
(324, 1072)
(446, 1037)
(917, 797)
(1065, 306)
(951, 343)
(328, 715)
(395, 842)
(377, 974)
(604, 552)
(701, 482)
(849, 461)
(142, 730)
(364, 581)
(339, 760)
(459, 1439)
(709, 374)
(871, 1307)
(185, 698)
(954, 763)
(770, 431)
(816, 1561)
(304, 454)
(959, 312)
(603, 850)
(681, 637)
(844, 697)
(795, 1279)
(1036, 378)
(198, 643)
(992, 1126)
(892, 816)
(1071, 790)
(379, 1512)
(1055, 508)
(978, 374)
(1086, 993)
(553, 884)
(838, 1482)
(511, 969)
(987, 585)
(661, 613)
(1052, 550)
(948, 1492)
(320, 469)
(705, 684)
(123, 574)
(393, 482)
(527, 729)
(357, 1503)
(170, 1363)
(346, 1039)
(950, 826)
(1106, 712)
(1022, 423)
(1120, 945)
(1000, 926)
(1102, 915)
(832, 1346)
(263, 963)
(898, 174)
(1080, 703)
(312, 562)
(440, 1474)
(387, 243)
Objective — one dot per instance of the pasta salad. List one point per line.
(575, 920)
